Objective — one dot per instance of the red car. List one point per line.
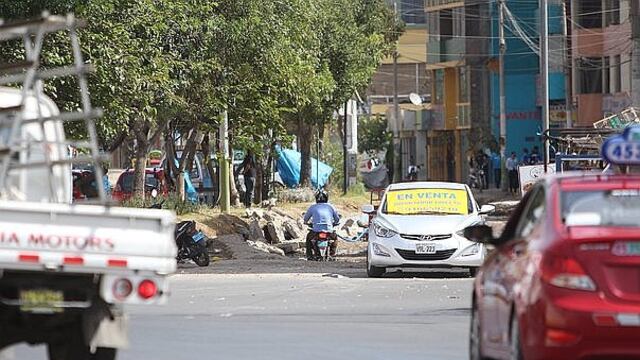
(564, 279)
(154, 179)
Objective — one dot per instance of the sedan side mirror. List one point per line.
(487, 209)
(480, 233)
(368, 209)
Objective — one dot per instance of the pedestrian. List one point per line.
(248, 168)
(512, 170)
(535, 156)
(106, 184)
(526, 158)
(496, 162)
(412, 171)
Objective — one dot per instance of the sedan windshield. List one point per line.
(602, 207)
(428, 201)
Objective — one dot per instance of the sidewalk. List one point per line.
(493, 195)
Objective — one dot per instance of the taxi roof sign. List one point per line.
(623, 149)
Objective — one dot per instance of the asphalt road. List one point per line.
(298, 316)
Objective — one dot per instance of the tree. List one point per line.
(354, 37)
(373, 135)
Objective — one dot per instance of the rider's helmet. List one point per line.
(322, 196)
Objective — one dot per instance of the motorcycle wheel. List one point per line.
(202, 257)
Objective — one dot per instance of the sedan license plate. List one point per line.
(425, 248)
(41, 300)
(627, 248)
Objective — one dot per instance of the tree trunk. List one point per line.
(259, 182)
(206, 155)
(233, 189)
(304, 137)
(142, 144)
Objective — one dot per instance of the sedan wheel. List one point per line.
(516, 346)
(374, 271)
(475, 353)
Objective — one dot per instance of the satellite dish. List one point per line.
(415, 99)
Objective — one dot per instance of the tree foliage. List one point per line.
(273, 65)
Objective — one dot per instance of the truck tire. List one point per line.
(75, 350)
(74, 347)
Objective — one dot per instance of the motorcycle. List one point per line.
(192, 243)
(322, 243)
(476, 179)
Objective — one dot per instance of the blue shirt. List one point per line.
(496, 160)
(323, 216)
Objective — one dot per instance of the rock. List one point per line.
(504, 208)
(255, 231)
(269, 216)
(291, 228)
(296, 195)
(266, 247)
(289, 247)
(274, 233)
(242, 230)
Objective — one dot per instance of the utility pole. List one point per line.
(345, 168)
(568, 84)
(503, 105)
(635, 53)
(225, 191)
(397, 157)
(544, 67)
(503, 101)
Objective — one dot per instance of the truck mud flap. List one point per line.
(113, 332)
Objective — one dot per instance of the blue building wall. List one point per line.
(524, 115)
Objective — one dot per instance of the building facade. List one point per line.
(457, 58)
(600, 57)
(412, 78)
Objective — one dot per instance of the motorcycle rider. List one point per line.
(324, 217)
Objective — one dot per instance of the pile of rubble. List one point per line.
(269, 231)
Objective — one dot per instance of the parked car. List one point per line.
(418, 225)
(154, 179)
(564, 280)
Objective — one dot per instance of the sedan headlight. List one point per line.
(471, 250)
(382, 231)
(380, 250)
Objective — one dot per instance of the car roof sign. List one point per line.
(623, 149)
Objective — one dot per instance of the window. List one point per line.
(457, 15)
(532, 214)
(589, 13)
(612, 12)
(606, 72)
(463, 84)
(590, 70)
(438, 85)
(617, 75)
(446, 25)
(412, 11)
(433, 24)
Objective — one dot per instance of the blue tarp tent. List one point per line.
(289, 164)
(189, 189)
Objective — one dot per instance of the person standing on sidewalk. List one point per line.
(512, 170)
(496, 164)
(248, 168)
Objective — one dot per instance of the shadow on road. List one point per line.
(345, 266)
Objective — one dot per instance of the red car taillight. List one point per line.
(566, 272)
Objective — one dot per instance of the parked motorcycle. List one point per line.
(192, 243)
(477, 179)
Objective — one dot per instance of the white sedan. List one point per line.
(419, 225)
